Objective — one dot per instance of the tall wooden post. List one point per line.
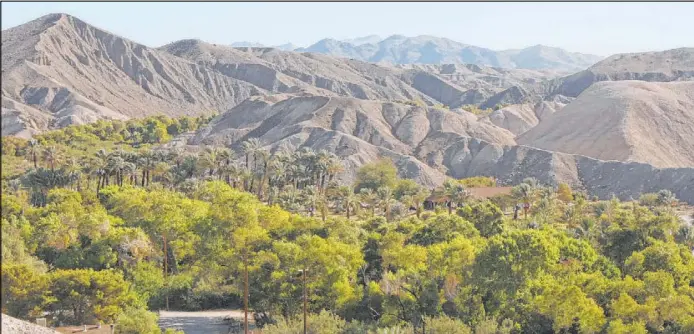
(166, 271)
(245, 293)
(305, 303)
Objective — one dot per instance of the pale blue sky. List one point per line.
(598, 28)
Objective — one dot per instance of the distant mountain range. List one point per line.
(398, 49)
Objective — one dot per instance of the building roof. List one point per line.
(488, 192)
(480, 193)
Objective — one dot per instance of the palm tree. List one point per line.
(34, 149)
(277, 172)
(525, 193)
(456, 193)
(307, 158)
(73, 168)
(250, 148)
(385, 200)
(88, 167)
(408, 201)
(115, 167)
(272, 193)
(309, 198)
(160, 170)
(532, 182)
(224, 157)
(147, 162)
(321, 168)
(208, 160)
(264, 157)
(348, 198)
(419, 197)
(230, 173)
(101, 162)
(51, 156)
(370, 198)
(334, 167)
(322, 205)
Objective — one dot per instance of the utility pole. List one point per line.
(166, 271)
(305, 302)
(245, 293)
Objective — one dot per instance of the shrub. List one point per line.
(446, 325)
(324, 322)
(478, 182)
(137, 321)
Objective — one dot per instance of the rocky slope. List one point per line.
(12, 325)
(283, 72)
(511, 164)
(58, 70)
(519, 118)
(75, 73)
(660, 66)
(427, 144)
(626, 121)
(358, 130)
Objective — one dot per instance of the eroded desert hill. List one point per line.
(59, 70)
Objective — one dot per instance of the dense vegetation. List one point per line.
(101, 223)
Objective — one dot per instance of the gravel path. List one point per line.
(203, 322)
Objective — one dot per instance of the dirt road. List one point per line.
(203, 322)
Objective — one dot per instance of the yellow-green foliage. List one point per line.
(471, 108)
(93, 241)
(478, 182)
(564, 192)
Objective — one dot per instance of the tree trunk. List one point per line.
(245, 294)
(144, 176)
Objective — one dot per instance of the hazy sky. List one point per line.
(598, 28)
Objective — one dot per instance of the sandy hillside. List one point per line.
(626, 121)
(660, 66)
(519, 118)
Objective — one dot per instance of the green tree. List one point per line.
(487, 217)
(23, 290)
(89, 295)
(564, 193)
(374, 175)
